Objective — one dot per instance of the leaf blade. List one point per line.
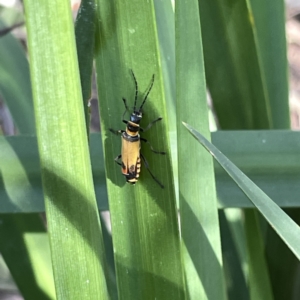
(202, 256)
(64, 155)
(144, 219)
(286, 228)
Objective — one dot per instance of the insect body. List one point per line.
(131, 140)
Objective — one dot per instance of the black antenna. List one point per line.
(151, 85)
(136, 90)
(126, 107)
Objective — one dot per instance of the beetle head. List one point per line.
(136, 117)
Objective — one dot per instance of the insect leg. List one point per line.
(117, 132)
(147, 167)
(155, 151)
(125, 121)
(117, 158)
(150, 124)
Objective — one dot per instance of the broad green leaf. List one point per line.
(144, 217)
(201, 247)
(72, 216)
(286, 228)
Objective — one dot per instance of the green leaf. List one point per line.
(20, 247)
(20, 244)
(20, 174)
(246, 64)
(85, 41)
(15, 83)
(198, 204)
(286, 228)
(144, 217)
(165, 20)
(272, 164)
(72, 216)
(25, 249)
(283, 272)
(269, 19)
(166, 34)
(232, 65)
(235, 280)
(260, 287)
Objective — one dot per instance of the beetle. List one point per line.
(131, 140)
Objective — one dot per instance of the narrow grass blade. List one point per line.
(284, 272)
(144, 217)
(268, 22)
(235, 278)
(258, 275)
(29, 249)
(246, 64)
(20, 245)
(198, 205)
(85, 42)
(72, 215)
(286, 228)
(270, 19)
(234, 218)
(109, 254)
(15, 85)
(165, 20)
(232, 65)
(260, 287)
(25, 249)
